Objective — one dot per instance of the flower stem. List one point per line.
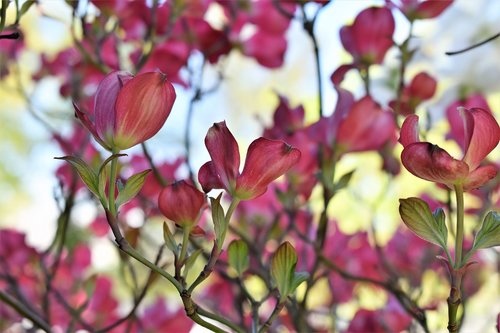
(112, 184)
(460, 226)
(185, 242)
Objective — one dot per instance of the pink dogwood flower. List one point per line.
(430, 162)
(266, 160)
(182, 203)
(370, 36)
(129, 110)
(421, 88)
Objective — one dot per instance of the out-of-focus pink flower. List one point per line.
(370, 36)
(129, 110)
(181, 203)
(366, 127)
(157, 318)
(421, 88)
(430, 162)
(286, 120)
(416, 9)
(391, 316)
(266, 160)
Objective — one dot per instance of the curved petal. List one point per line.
(479, 177)
(208, 177)
(225, 154)
(409, 131)
(104, 103)
(429, 162)
(142, 107)
(482, 134)
(87, 123)
(266, 160)
(181, 203)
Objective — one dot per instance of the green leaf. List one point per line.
(109, 159)
(489, 234)
(101, 186)
(169, 239)
(132, 187)
(417, 216)
(219, 220)
(26, 6)
(238, 256)
(190, 261)
(283, 269)
(298, 278)
(88, 176)
(343, 181)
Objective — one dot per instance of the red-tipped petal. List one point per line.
(479, 177)
(208, 177)
(431, 8)
(142, 107)
(223, 150)
(181, 203)
(430, 162)
(87, 123)
(409, 131)
(266, 160)
(104, 103)
(482, 134)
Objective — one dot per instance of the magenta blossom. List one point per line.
(430, 162)
(266, 160)
(129, 110)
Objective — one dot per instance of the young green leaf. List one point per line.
(343, 181)
(238, 256)
(417, 216)
(220, 225)
(169, 239)
(489, 234)
(283, 269)
(88, 176)
(132, 187)
(298, 278)
(190, 261)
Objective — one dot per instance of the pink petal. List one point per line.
(225, 154)
(338, 75)
(142, 107)
(430, 162)
(479, 177)
(266, 160)
(455, 120)
(431, 8)
(104, 103)
(181, 203)
(409, 131)
(208, 177)
(482, 134)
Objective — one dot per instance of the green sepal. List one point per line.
(489, 234)
(283, 270)
(237, 255)
(169, 239)
(219, 220)
(189, 262)
(132, 187)
(417, 216)
(86, 173)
